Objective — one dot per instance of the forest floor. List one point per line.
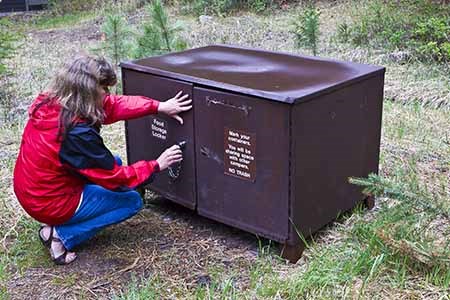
(169, 252)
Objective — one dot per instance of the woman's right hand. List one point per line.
(170, 156)
(176, 105)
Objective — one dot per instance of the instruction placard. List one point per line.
(239, 156)
(159, 128)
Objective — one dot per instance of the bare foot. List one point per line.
(57, 248)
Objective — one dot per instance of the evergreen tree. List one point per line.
(117, 41)
(159, 36)
(307, 29)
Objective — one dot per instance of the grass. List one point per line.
(398, 245)
(399, 250)
(150, 289)
(61, 21)
(4, 275)
(26, 250)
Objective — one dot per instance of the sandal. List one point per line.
(60, 260)
(47, 243)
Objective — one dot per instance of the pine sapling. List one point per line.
(159, 36)
(117, 38)
(307, 29)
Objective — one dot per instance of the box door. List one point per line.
(149, 136)
(242, 150)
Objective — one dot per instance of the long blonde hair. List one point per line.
(77, 86)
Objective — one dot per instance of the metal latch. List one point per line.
(175, 169)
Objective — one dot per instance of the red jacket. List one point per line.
(50, 175)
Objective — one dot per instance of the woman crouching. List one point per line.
(65, 177)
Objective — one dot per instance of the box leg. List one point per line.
(292, 252)
(369, 202)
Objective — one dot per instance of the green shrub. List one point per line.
(63, 7)
(417, 26)
(435, 28)
(307, 29)
(208, 7)
(224, 7)
(433, 35)
(259, 6)
(159, 35)
(445, 49)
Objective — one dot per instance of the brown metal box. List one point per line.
(271, 140)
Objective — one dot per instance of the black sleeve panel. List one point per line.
(83, 148)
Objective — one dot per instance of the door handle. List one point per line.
(244, 108)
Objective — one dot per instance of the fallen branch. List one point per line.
(407, 248)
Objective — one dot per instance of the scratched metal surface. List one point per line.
(276, 76)
(258, 204)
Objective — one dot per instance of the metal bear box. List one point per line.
(271, 140)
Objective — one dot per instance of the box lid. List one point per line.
(271, 75)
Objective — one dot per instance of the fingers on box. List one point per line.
(179, 93)
(185, 96)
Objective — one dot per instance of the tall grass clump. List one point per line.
(419, 27)
(307, 29)
(160, 34)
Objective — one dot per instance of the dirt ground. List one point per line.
(164, 240)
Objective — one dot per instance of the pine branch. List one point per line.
(409, 192)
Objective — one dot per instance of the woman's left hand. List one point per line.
(178, 104)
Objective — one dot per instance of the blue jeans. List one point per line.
(100, 208)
